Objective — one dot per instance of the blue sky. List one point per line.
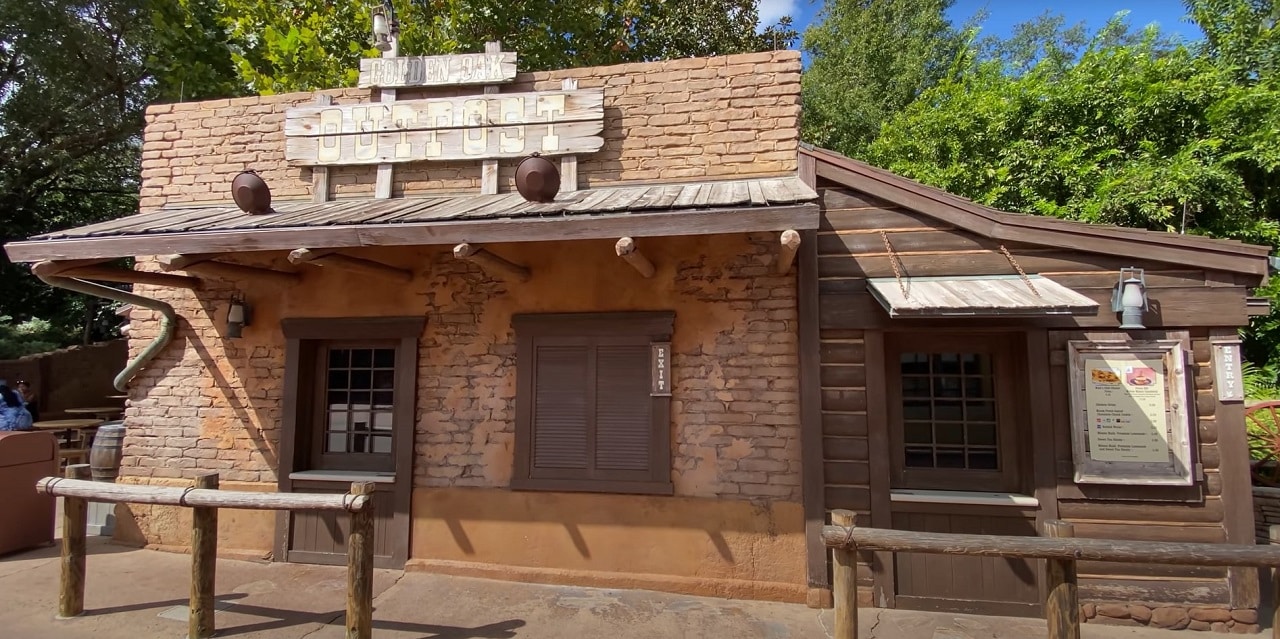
(1004, 14)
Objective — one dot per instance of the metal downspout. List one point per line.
(168, 321)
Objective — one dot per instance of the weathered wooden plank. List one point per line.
(846, 376)
(1154, 279)
(504, 111)
(901, 241)
(479, 143)
(1210, 510)
(1163, 591)
(844, 400)
(1149, 531)
(839, 198)
(168, 496)
(1044, 262)
(438, 70)
(847, 497)
(1122, 570)
(1079, 549)
(847, 473)
(844, 424)
(846, 352)
(844, 448)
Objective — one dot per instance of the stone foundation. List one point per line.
(1240, 622)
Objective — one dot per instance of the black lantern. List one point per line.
(238, 315)
(537, 179)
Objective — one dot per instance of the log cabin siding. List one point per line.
(851, 248)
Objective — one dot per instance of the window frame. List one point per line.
(321, 460)
(593, 329)
(306, 340)
(1005, 369)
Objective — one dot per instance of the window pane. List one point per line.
(950, 457)
(362, 380)
(339, 357)
(384, 379)
(360, 399)
(946, 387)
(338, 379)
(915, 387)
(946, 364)
(978, 387)
(361, 358)
(915, 364)
(381, 444)
(918, 433)
(976, 364)
(383, 399)
(919, 457)
(384, 357)
(338, 399)
(948, 411)
(361, 422)
(336, 443)
(982, 434)
(984, 411)
(983, 460)
(338, 421)
(382, 421)
(949, 434)
(916, 410)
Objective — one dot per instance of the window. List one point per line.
(587, 418)
(951, 412)
(352, 400)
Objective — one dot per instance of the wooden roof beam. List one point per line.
(492, 264)
(50, 268)
(206, 265)
(789, 243)
(336, 260)
(627, 250)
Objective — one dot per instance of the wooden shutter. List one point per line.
(585, 417)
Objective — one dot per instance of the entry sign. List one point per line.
(438, 70)
(1226, 368)
(660, 368)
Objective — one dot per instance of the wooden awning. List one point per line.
(978, 296)
(695, 208)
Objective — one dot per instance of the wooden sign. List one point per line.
(461, 128)
(1226, 369)
(438, 70)
(1129, 414)
(660, 368)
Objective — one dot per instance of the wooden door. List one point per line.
(955, 411)
(321, 537)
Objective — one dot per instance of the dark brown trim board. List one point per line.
(1237, 488)
(811, 454)
(704, 222)
(884, 590)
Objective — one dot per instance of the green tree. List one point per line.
(870, 59)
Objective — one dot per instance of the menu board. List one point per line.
(1125, 409)
(1130, 423)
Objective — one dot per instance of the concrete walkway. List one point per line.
(140, 594)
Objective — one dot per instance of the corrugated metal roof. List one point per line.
(418, 210)
(978, 296)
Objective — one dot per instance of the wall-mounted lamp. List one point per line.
(238, 316)
(1130, 298)
(385, 27)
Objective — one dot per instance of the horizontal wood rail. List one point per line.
(1058, 547)
(205, 499)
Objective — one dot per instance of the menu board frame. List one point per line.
(1167, 360)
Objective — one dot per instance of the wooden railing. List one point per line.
(1057, 546)
(205, 499)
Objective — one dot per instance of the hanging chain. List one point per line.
(896, 264)
(1021, 273)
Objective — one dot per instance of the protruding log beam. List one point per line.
(337, 260)
(114, 274)
(626, 249)
(205, 265)
(491, 263)
(790, 241)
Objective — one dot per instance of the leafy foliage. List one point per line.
(29, 337)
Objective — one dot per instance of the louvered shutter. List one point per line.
(560, 407)
(624, 409)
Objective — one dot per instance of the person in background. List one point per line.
(13, 411)
(29, 398)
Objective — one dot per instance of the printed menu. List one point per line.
(1125, 408)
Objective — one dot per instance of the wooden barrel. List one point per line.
(104, 455)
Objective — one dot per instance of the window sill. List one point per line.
(347, 476)
(594, 486)
(963, 497)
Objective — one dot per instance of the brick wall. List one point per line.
(210, 403)
(664, 121)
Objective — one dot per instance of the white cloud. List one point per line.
(771, 10)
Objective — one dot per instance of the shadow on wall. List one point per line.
(74, 377)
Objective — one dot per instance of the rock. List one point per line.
(1140, 614)
(1220, 626)
(1112, 621)
(1115, 611)
(1089, 611)
(1245, 615)
(1211, 614)
(1170, 617)
(1245, 629)
(1199, 625)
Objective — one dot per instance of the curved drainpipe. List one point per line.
(168, 321)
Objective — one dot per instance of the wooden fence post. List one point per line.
(360, 567)
(204, 564)
(74, 512)
(845, 586)
(1062, 603)
(1274, 534)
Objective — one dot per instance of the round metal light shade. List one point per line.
(537, 179)
(251, 193)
